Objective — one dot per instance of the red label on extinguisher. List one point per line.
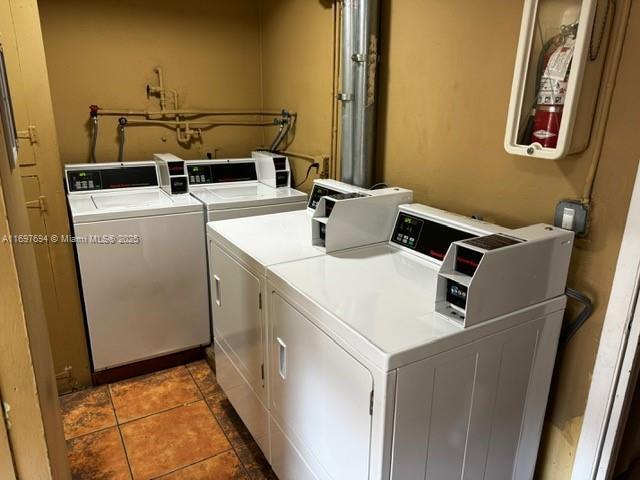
(551, 95)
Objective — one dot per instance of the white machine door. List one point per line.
(237, 316)
(143, 298)
(465, 413)
(320, 396)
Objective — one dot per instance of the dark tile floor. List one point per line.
(175, 424)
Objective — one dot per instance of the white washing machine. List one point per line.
(233, 189)
(427, 357)
(140, 253)
(240, 251)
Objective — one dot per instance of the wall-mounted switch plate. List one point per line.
(572, 215)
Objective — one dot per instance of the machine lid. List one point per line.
(244, 195)
(380, 301)
(128, 204)
(132, 200)
(267, 239)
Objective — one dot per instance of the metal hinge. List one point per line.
(260, 301)
(40, 203)
(30, 134)
(371, 403)
(262, 371)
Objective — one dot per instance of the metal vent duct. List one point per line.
(360, 25)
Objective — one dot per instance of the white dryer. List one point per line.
(240, 251)
(427, 357)
(140, 252)
(233, 189)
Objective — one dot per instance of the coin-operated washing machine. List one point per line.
(240, 251)
(235, 188)
(139, 251)
(429, 356)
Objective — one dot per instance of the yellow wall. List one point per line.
(445, 80)
(446, 72)
(297, 65)
(103, 52)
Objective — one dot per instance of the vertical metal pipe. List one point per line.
(349, 11)
(360, 60)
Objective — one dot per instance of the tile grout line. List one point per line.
(163, 410)
(186, 404)
(244, 467)
(124, 446)
(175, 407)
(191, 464)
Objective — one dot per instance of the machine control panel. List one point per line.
(221, 172)
(317, 193)
(282, 178)
(176, 167)
(501, 272)
(91, 179)
(280, 163)
(179, 185)
(425, 236)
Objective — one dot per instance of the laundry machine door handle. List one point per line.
(216, 279)
(282, 355)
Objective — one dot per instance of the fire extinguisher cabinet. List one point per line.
(550, 65)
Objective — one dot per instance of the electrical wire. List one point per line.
(378, 185)
(571, 329)
(594, 52)
(306, 177)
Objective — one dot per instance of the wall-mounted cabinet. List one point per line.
(552, 54)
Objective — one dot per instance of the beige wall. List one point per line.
(445, 88)
(297, 65)
(103, 52)
(446, 75)
(445, 81)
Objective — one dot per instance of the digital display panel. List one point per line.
(280, 163)
(141, 176)
(84, 180)
(318, 192)
(467, 260)
(198, 174)
(112, 178)
(221, 172)
(425, 236)
(176, 168)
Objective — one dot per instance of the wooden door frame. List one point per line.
(29, 396)
(7, 469)
(616, 370)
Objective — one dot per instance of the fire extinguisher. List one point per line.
(555, 66)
